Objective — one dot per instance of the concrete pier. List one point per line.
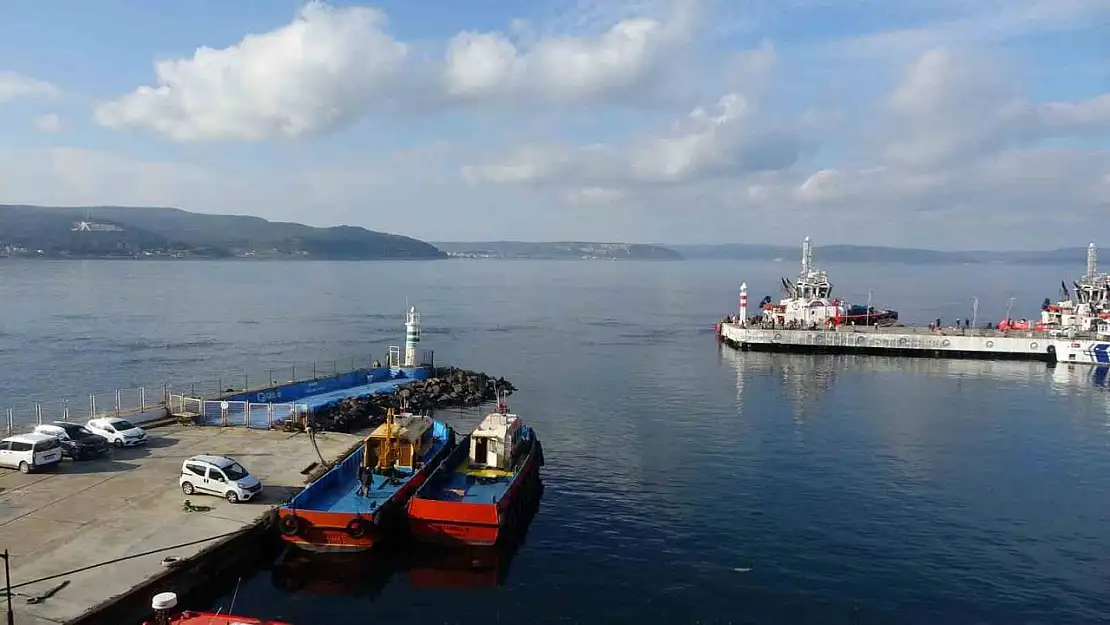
(89, 512)
(894, 341)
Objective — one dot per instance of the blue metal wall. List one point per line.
(298, 390)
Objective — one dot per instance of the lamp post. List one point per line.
(8, 587)
(974, 310)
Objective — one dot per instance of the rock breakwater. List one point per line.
(449, 387)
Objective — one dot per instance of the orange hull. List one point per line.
(475, 524)
(209, 618)
(328, 531)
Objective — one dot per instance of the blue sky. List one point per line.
(934, 123)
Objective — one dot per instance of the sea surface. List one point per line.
(685, 483)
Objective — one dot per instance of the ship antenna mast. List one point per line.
(387, 459)
(807, 256)
(1092, 260)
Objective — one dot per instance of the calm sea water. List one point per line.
(684, 483)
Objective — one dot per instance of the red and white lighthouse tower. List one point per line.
(743, 303)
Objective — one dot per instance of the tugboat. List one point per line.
(477, 494)
(809, 303)
(362, 498)
(1083, 320)
(164, 603)
(1083, 310)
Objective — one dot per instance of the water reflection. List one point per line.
(1067, 377)
(423, 566)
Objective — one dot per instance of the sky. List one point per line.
(943, 124)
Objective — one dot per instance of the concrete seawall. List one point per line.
(893, 341)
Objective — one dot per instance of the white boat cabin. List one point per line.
(493, 442)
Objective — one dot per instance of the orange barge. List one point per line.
(361, 500)
(478, 493)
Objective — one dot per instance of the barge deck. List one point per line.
(893, 341)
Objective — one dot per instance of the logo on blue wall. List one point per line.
(1098, 352)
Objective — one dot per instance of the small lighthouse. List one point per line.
(743, 303)
(412, 336)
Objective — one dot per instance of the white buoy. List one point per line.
(743, 303)
(412, 336)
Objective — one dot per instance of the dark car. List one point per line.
(77, 441)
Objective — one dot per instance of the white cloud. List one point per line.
(14, 86)
(332, 65)
(955, 140)
(323, 69)
(593, 196)
(953, 106)
(624, 58)
(48, 123)
(978, 23)
(727, 141)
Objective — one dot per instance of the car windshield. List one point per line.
(76, 430)
(122, 425)
(235, 472)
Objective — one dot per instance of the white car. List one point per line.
(30, 452)
(218, 475)
(119, 432)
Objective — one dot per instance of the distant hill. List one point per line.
(141, 232)
(878, 254)
(558, 250)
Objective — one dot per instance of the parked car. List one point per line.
(218, 475)
(119, 432)
(30, 452)
(76, 440)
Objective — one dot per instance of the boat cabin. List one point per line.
(401, 440)
(492, 443)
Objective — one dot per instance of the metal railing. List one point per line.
(235, 413)
(152, 400)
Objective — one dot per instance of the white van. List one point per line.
(30, 452)
(119, 432)
(218, 475)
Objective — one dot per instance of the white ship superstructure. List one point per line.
(808, 300)
(1087, 309)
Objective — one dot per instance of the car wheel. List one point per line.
(232, 497)
(118, 443)
(187, 488)
(24, 467)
